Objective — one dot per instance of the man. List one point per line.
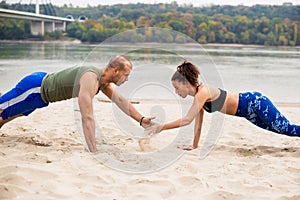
(39, 89)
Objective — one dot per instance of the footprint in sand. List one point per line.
(189, 180)
(247, 150)
(267, 150)
(35, 140)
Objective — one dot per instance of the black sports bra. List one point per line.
(216, 105)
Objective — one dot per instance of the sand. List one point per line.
(42, 157)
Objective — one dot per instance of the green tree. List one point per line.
(245, 37)
(203, 31)
(176, 25)
(188, 25)
(283, 40)
(271, 40)
(76, 30)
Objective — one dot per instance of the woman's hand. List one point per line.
(154, 128)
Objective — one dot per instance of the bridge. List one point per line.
(39, 23)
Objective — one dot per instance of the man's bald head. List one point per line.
(119, 62)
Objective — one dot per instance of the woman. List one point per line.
(253, 106)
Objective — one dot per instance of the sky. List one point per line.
(84, 3)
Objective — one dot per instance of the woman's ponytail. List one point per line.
(187, 72)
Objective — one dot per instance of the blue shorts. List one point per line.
(24, 98)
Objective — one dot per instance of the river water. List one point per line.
(272, 71)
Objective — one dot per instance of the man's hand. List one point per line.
(147, 121)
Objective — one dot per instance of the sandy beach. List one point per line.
(42, 157)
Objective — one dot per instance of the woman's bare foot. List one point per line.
(187, 147)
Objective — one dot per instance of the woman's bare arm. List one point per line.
(198, 128)
(197, 106)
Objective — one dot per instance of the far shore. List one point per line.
(42, 41)
(76, 41)
(247, 45)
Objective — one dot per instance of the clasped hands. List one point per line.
(152, 129)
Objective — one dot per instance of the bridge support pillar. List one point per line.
(39, 23)
(38, 27)
(49, 26)
(60, 26)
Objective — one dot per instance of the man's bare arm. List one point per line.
(125, 105)
(88, 88)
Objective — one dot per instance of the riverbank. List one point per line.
(69, 40)
(247, 45)
(76, 41)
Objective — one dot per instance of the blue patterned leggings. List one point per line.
(259, 110)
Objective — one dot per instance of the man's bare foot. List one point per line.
(2, 122)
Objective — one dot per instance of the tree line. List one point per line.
(260, 25)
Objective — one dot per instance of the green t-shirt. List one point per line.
(64, 84)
